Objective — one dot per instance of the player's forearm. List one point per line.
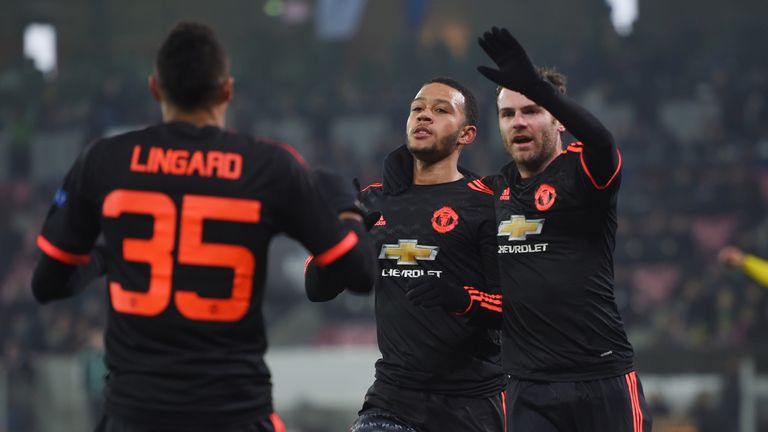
(54, 280)
(320, 288)
(355, 270)
(756, 268)
(599, 148)
(577, 119)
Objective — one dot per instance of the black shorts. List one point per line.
(432, 412)
(273, 423)
(613, 404)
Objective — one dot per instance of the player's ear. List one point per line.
(154, 87)
(227, 90)
(468, 134)
(560, 127)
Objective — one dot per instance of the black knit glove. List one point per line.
(516, 71)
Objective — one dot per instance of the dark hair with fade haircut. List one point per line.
(191, 66)
(471, 112)
(550, 75)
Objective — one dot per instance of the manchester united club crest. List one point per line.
(444, 220)
(545, 197)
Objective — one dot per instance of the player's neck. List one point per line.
(213, 116)
(528, 171)
(443, 171)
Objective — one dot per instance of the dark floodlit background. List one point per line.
(683, 85)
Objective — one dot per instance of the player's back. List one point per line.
(187, 215)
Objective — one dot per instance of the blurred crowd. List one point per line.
(695, 178)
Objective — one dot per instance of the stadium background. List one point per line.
(684, 89)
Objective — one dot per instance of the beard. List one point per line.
(437, 151)
(543, 149)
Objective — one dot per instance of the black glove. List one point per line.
(370, 217)
(516, 71)
(431, 292)
(337, 191)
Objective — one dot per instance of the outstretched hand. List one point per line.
(515, 69)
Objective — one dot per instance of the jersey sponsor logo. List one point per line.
(444, 220)
(504, 195)
(545, 197)
(518, 227)
(224, 165)
(408, 252)
(518, 249)
(381, 221)
(410, 273)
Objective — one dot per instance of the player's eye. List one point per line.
(530, 110)
(416, 109)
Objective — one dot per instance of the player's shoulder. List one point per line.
(573, 150)
(103, 150)
(480, 185)
(279, 150)
(481, 190)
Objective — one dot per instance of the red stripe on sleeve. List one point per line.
(586, 170)
(485, 300)
(277, 422)
(306, 263)
(490, 307)
(52, 251)
(372, 185)
(338, 251)
(296, 155)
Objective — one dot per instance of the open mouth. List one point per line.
(521, 139)
(421, 132)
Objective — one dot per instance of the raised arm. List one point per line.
(516, 72)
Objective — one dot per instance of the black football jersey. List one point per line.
(187, 215)
(556, 236)
(442, 231)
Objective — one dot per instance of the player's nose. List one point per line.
(424, 116)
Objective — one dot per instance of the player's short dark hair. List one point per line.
(549, 74)
(191, 65)
(471, 112)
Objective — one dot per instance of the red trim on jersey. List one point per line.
(637, 412)
(66, 257)
(592, 179)
(376, 185)
(337, 251)
(277, 422)
(306, 263)
(295, 153)
(479, 186)
(578, 147)
(287, 147)
(504, 408)
(575, 147)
